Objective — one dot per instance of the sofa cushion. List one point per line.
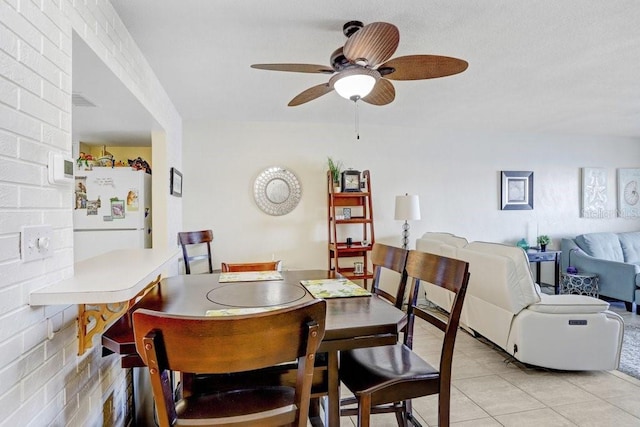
(601, 245)
(569, 304)
(630, 243)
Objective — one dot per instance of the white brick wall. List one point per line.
(42, 380)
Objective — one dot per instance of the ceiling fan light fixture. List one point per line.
(355, 83)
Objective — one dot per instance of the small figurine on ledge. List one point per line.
(140, 164)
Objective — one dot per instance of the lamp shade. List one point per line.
(354, 83)
(407, 207)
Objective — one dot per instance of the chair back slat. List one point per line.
(448, 273)
(394, 259)
(187, 238)
(250, 266)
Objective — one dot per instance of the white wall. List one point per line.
(42, 380)
(456, 175)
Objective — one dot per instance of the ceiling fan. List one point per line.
(361, 70)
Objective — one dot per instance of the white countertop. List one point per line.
(113, 277)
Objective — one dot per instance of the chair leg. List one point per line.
(364, 410)
(444, 407)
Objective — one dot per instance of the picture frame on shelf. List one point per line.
(346, 213)
(175, 186)
(516, 191)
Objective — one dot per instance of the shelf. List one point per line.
(359, 227)
(354, 221)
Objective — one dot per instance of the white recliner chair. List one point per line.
(505, 305)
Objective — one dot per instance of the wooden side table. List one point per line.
(538, 257)
(580, 284)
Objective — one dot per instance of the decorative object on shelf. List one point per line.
(517, 190)
(277, 191)
(335, 167)
(358, 268)
(346, 213)
(407, 209)
(175, 187)
(351, 180)
(629, 193)
(349, 241)
(594, 192)
(365, 242)
(543, 241)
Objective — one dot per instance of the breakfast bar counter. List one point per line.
(105, 286)
(113, 277)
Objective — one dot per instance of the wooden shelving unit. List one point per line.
(341, 256)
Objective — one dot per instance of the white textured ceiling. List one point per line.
(559, 66)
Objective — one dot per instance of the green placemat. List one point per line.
(334, 288)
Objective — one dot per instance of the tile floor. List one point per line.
(490, 389)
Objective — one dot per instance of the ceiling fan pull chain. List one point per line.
(357, 121)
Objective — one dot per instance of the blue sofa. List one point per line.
(614, 257)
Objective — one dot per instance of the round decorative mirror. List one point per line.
(277, 191)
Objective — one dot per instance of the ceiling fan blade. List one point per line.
(418, 67)
(296, 68)
(310, 94)
(383, 93)
(374, 43)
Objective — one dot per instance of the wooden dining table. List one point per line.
(351, 322)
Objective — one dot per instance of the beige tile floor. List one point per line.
(490, 389)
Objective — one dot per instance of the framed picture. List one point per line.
(346, 212)
(629, 193)
(117, 209)
(594, 192)
(517, 190)
(175, 187)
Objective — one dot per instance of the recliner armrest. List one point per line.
(568, 304)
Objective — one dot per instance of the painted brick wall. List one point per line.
(42, 380)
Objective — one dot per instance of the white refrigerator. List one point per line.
(112, 210)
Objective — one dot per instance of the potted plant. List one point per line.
(334, 169)
(543, 241)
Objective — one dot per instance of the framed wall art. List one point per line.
(594, 192)
(175, 186)
(516, 190)
(629, 193)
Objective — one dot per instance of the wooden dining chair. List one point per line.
(385, 257)
(190, 238)
(229, 345)
(388, 377)
(251, 266)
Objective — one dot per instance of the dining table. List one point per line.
(351, 321)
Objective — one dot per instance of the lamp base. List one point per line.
(405, 235)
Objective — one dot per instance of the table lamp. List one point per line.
(407, 209)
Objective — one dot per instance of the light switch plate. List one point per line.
(35, 242)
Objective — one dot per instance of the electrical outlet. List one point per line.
(35, 242)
